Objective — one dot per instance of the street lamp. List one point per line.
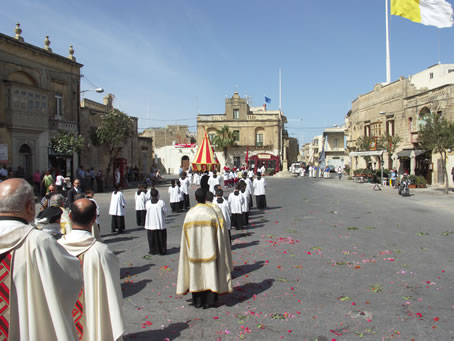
(98, 90)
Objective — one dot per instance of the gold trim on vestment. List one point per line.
(202, 260)
(206, 223)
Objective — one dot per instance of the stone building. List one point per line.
(138, 151)
(258, 132)
(169, 135)
(397, 109)
(39, 96)
(334, 147)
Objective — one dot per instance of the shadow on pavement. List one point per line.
(173, 250)
(245, 292)
(240, 270)
(118, 239)
(132, 288)
(171, 332)
(134, 270)
(243, 245)
(240, 234)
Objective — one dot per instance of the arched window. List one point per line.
(259, 137)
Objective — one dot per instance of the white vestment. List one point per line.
(174, 194)
(225, 209)
(140, 201)
(117, 204)
(204, 260)
(236, 203)
(213, 181)
(102, 300)
(44, 285)
(155, 218)
(184, 183)
(259, 186)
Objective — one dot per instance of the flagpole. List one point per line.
(388, 58)
(280, 89)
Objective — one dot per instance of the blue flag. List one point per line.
(267, 100)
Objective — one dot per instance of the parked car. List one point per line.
(295, 168)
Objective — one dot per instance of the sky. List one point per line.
(167, 61)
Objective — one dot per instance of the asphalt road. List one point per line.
(328, 260)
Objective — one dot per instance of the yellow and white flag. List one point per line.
(437, 13)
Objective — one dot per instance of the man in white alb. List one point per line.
(97, 312)
(40, 280)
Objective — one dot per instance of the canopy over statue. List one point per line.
(205, 158)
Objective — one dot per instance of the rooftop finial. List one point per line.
(71, 53)
(18, 33)
(47, 44)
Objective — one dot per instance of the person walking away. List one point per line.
(245, 205)
(203, 268)
(156, 211)
(117, 210)
(225, 209)
(59, 182)
(213, 181)
(184, 183)
(236, 202)
(40, 279)
(97, 312)
(47, 181)
(174, 196)
(99, 181)
(140, 199)
(96, 229)
(258, 186)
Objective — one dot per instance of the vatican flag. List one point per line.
(437, 13)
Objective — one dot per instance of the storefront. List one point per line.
(269, 160)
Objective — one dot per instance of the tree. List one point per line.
(113, 132)
(67, 143)
(436, 134)
(390, 144)
(363, 143)
(223, 140)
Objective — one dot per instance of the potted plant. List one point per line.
(421, 181)
(412, 180)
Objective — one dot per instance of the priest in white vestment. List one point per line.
(203, 266)
(40, 281)
(98, 311)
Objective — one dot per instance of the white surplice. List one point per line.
(156, 215)
(102, 296)
(259, 186)
(225, 209)
(117, 204)
(45, 283)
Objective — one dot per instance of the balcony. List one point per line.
(414, 137)
(63, 125)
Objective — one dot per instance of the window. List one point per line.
(259, 140)
(390, 127)
(431, 75)
(236, 135)
(336, 144)
(236, 114)
(367, 130)
(375, 129)
(58, 104)
(410, 124)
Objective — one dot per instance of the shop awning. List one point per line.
(407, 152)
(368, 153)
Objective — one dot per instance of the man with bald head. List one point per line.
(98, 311)
(39, 280)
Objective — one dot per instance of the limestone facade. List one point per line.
(397, 108)
(257, 130)
(334, 147)
(168, 135)
(39, 95)
(138, 151)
